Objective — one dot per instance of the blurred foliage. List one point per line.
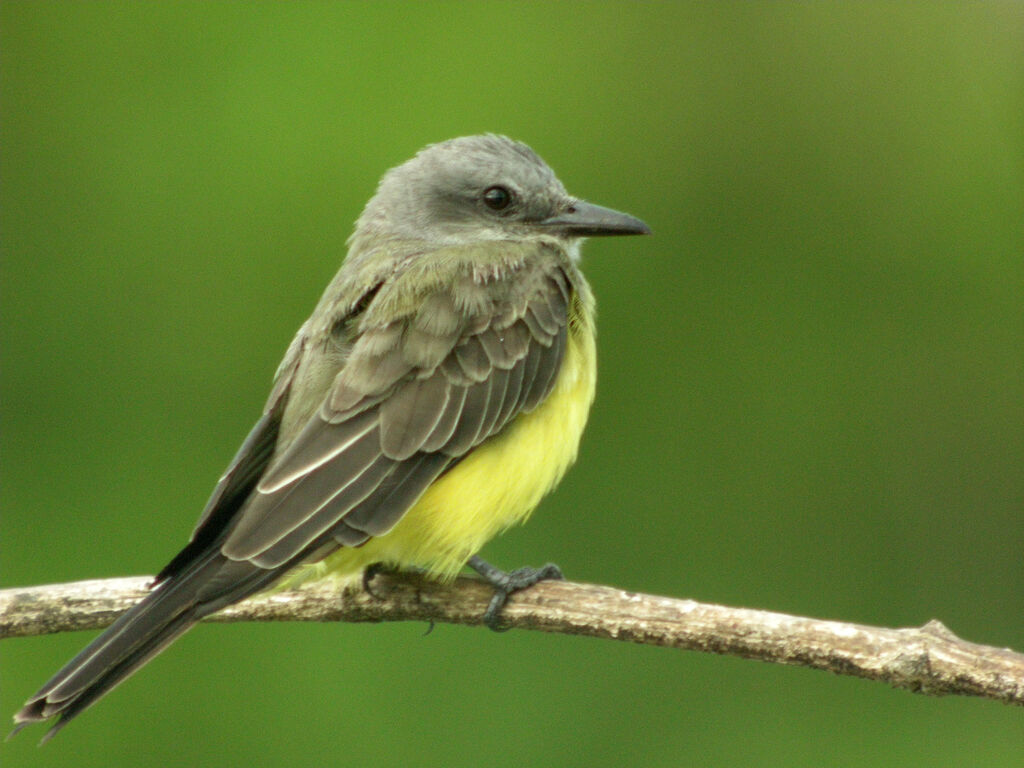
(812, 376)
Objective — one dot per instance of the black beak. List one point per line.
(582, 219)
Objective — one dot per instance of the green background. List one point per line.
(811, 391)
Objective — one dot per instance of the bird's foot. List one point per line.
(372, 570)
(507, 582)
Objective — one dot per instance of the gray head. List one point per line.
(479, 188)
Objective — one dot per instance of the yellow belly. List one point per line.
(497, 485)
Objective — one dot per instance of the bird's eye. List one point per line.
(497, 198)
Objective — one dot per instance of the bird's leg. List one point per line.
(507, 582)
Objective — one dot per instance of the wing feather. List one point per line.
(326, 516)
(548, 363)
(378, 514)
(513, 390)
(473, 358)
(448, 422)
(495, 403)
(470, 418)
(411, 414)
(317, 445)
(270, 516)
(541, 320)
(531, 364)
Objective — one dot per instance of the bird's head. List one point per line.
(483, 188)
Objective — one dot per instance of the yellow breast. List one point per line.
(499, 483)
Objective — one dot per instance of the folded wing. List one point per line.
(414, 397)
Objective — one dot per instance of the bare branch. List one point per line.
(930, 659)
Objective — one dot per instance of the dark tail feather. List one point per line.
(139, 635)
(43, 707)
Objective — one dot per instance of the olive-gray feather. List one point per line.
(411, 414)
(449, 419)
(330, 510)
(548, 363)
(473, 358)
(379, 513)
(326, 495)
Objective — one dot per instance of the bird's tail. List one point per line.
(140, 634)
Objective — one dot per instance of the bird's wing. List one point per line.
(414, 396)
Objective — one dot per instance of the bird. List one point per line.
(437, 392)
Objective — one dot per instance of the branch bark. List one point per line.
(929, 659)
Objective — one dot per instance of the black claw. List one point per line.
(505, 583)
(368, 575)
(492, 616)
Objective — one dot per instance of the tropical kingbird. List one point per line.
(437, 392)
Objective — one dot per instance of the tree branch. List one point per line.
(929, 659)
